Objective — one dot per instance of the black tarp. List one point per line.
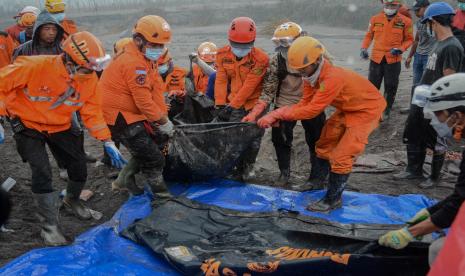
(199, 239)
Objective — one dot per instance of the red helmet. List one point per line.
(242, 30)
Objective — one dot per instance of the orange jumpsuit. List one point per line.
(132, 86)
(200, 79)
(14, 30)
(175, 81)
(358, 104)
(388, 34)
(245, 77)
(31, 95)
(69, 27)
(7, 46)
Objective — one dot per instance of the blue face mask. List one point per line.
(162, 69)
(240, 52)
(461, 6)
(153, 54)
(59, 16)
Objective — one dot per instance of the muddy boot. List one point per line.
(386, 115)
(284, 162)
(127, 178)
(72, 202)
(317, 180)
(415, 159)
(47, 212)
(333, 197)
(283, 179)
(436, 167)
(157, 185)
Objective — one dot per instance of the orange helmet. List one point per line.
(242, 30)
(304, 51)
(86, 51)
(166, 57)
(27, 19)
(120, 44)
(207, 51)
(154, 29)
(286, 33)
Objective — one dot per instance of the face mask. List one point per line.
(59, 16)
(315, 76)
(153, 54)
(461, 6)
(442, 129)
(240, 53)
(390, 12)
(162, 69)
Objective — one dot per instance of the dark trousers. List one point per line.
(283, 136)
(142, 147)
(390, 73)
(67, 149)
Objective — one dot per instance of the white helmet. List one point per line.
(447, 92)
(30, 9)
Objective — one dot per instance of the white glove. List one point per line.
(2, 134)
(117, 159)
(167, 128)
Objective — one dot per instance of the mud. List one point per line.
(343, 44)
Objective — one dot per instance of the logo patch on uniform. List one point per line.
(141, 79)
(322, 87)
(258, 71)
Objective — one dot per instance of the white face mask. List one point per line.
(240, 52)
(390, 12)
(442, 129)
(162, 69)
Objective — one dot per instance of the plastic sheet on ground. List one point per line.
(102, 251)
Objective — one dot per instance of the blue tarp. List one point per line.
(100, 251)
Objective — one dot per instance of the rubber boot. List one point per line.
(47, 212)
(72, 201)
(315, 165)
(436, 167)
(390, 97)
(284, 162)
(157, 185)
(318, 179)
(333, 197)
(127, 178)
(415, 160)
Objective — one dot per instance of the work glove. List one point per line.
(364, 53)
(422, 215)
(396, 52)
(177, 94)
(224, 113)
(397, 239)
(117, 159)
(272, 119)
(255, 112)
(2, 134)
(167, 129)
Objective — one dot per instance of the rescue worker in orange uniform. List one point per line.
(27, 20)
(133, 102)
(40, 114)
(7, 46)
(392, 34)
(57, 9)
(16, 28)
(359, 107)
(283, 86)
(241, 68)
(206, 52)
(173, 76)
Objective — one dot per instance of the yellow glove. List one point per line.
(397, 239)
(422, 215)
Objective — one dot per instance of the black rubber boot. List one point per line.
(127, 178)
(284, 162)
(415, 160)
(436, 167)
(72, 201)
(315, 165)
(333, 197)
(47, 212)
(319, 174)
